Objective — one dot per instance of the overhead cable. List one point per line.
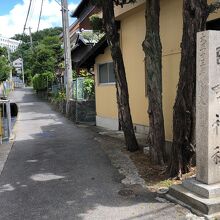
(59, 3)
(27, 16)
(41, 8)
(31, 12)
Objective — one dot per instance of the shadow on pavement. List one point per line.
(58, 171)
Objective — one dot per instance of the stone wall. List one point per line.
(79, 111)
(82, 111)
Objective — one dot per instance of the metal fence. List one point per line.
(18, 83)
(78, 89)
(55, 88)
(82, 104)
(5, 88)
(5, 120)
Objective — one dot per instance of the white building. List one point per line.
(18, 65)
(11, 44)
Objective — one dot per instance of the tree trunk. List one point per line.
(195, 14)
(119, 69)
(153, 67)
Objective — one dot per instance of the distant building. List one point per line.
(18, 64)
(11, 44)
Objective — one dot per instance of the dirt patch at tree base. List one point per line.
(155, 176)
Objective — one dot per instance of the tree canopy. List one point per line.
(45, 55)
(4, 64)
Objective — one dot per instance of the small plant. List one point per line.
(84, 85)
(59, 96)
(89, 88)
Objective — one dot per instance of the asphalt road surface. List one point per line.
(58, 171)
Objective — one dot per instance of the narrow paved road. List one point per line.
(58, 171)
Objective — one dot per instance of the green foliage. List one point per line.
(4, 64)
(38, 36)
(96, 22)
(88, 84)
(53, 44)
(92, 36)
(38, 82)
(3, 51)
(44, 60)
(59, 96)
(4, 68)
(46, 55)
(74, 74)
(89, 88)
(41, 81)
(49, 32)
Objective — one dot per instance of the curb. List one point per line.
(5, 148)
(4, 152)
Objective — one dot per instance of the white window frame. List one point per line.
(104, 84)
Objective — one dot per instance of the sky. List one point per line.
(13, 14)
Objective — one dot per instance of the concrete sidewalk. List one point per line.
(59, 171)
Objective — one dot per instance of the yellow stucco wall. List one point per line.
(171, 34)
(215, 14)
(106, 105)
(132, 36)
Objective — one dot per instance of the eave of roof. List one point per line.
(79, 8)
(88, 59)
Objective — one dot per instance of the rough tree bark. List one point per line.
(120, 75)
(153, 67)
(195, 14)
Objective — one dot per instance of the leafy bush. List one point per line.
(59, 96)
(45, 56)
(4, 69)
(89, 88)
(41, 81)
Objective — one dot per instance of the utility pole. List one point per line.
(9, 59)
(67, 52)
(30, 35)
(22, 69)
(31, 41)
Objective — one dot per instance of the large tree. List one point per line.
(3, 51)
(40, 35)
(113, 38)
(153, 67)
(195, 14)
(46, 54)
(4, 64)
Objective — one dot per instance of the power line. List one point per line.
(40, 15)
(27, 15)
(31, 11)
(59, 3)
